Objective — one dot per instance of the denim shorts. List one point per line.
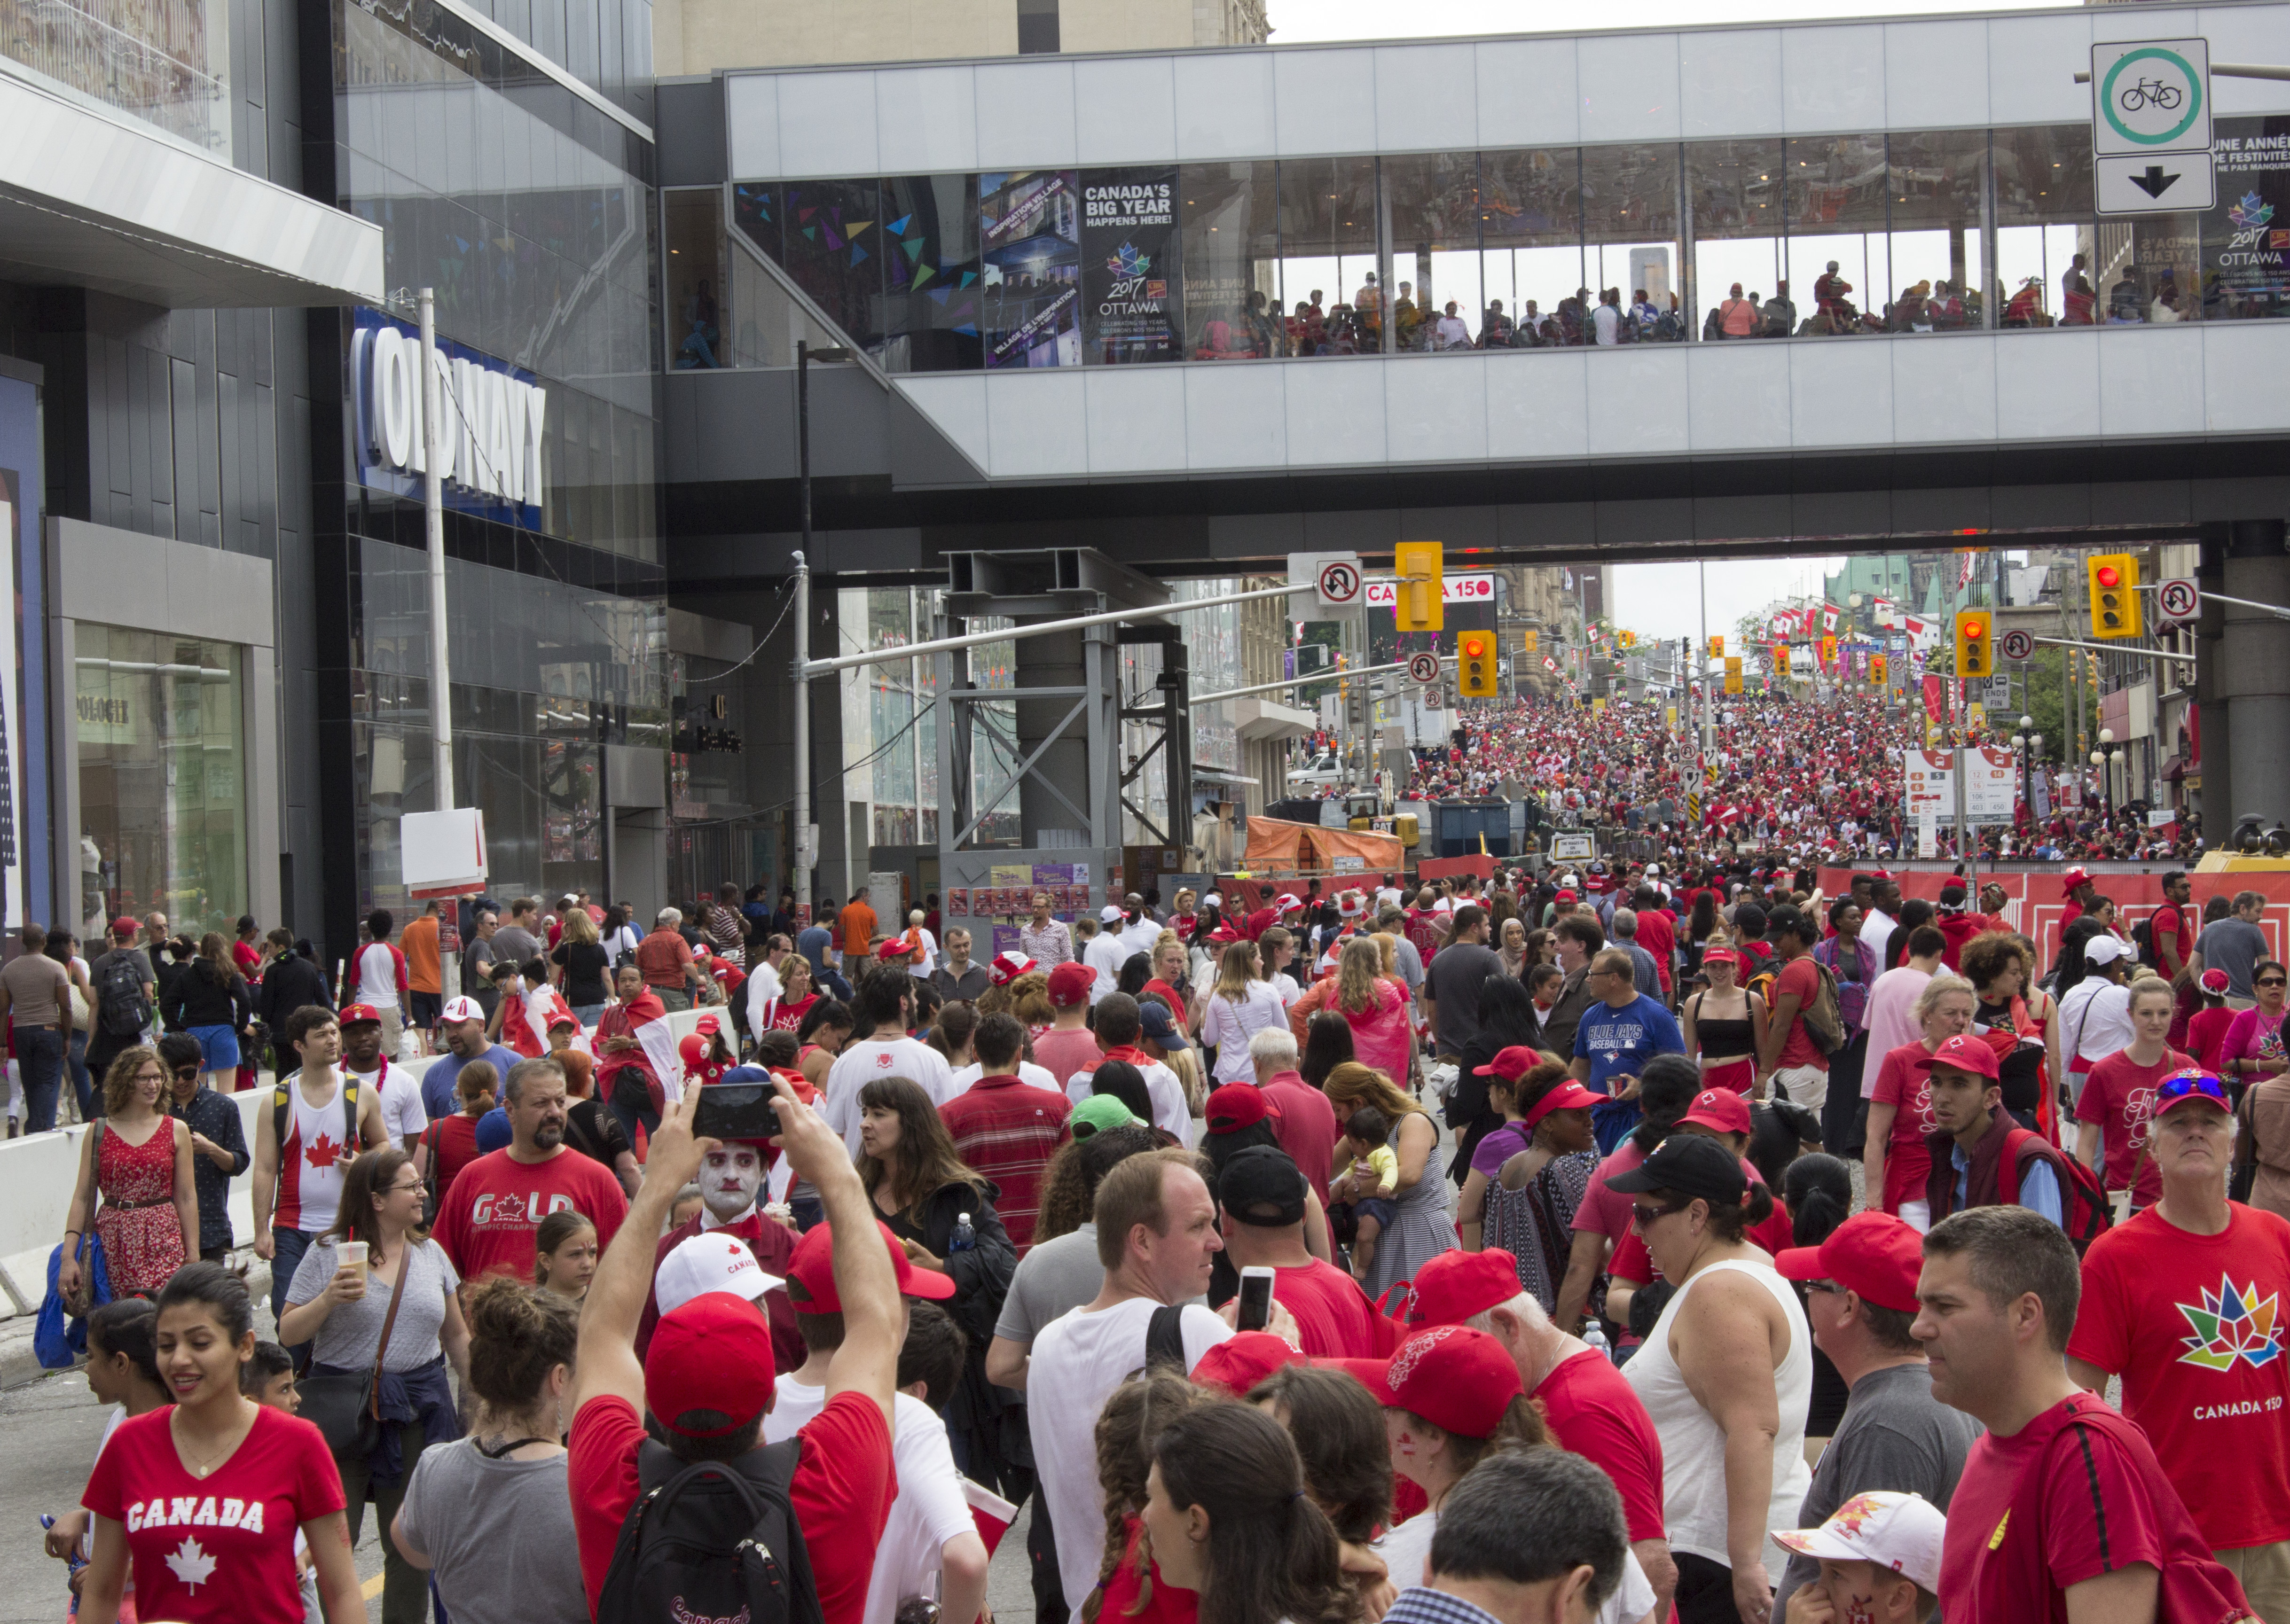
(219, 1045)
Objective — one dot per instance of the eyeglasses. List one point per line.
(406, 1190)
(1829, 1287)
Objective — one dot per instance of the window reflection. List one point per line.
(1936, 240)
(1735, 190)
(1230, 245)
(1330, 271)
(1631, 248)
(1438, 298)
(696, 277)
(1531, 220)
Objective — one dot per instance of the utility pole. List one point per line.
(441, 693)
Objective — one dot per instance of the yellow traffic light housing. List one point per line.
(1416, 591)
(1475, 665)
(1716, 648)
(1876, 663)
(1732, 674)
(1534, 641)
(2114, 582)
(1975, 655)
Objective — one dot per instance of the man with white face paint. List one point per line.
(730, 1187)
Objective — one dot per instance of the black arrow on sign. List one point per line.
(2154, 182)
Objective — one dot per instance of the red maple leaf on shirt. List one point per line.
(323, 1152)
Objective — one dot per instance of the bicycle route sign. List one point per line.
(2150, 126)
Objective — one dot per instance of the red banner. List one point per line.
(1935, 699)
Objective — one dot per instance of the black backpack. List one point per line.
(120, 1005)
(715, 1542)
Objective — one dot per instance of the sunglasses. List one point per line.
(1645, 1217)
(186, 1071)
(1827, 1287)
(2272, 981)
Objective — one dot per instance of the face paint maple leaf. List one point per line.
(323, 1152)
(191, 1564)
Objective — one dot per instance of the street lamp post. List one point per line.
(2026, 743)
(806, 843)
(2100, 760)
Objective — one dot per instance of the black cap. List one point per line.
(1262, 1186)
(1691, 1165)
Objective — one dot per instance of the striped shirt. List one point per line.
(1006, 1129)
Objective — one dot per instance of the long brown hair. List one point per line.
(216, 953)
(1272, 1553)
(1359, 972)
(1127, 1428)
(370, 1175)
(1352, 1085)
(924, 1161)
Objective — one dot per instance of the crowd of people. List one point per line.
(1483, 1250)
(1625, 767)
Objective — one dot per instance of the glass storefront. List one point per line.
(167, 62)
(159, 745)
(1898, 232)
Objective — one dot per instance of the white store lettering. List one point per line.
(490, 444)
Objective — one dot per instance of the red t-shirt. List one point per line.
(1908, 1159)
(1062, 1053)
(2119, 1096)
(2170, 923)
(1600, 1417)
(454, 1148)
(1334, 1319)
(842, 1492)
(2206, 1035)
(1658, 937)
(2029, 1520)
(2150, 1290)
(220, 1546)
(487, 1219)
(1802, 977)
(788, 1016)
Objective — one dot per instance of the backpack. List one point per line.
(2142, 937)
(1165, 1343)
(120, 1005)
(2083, 1198)
(282, 1109)
(674, 1564)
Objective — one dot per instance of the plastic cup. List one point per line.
(351, 1252)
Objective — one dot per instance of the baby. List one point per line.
(1374, 1175)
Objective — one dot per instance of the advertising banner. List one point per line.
(1029, 240)
(1129, 291)
(1990, 785)
(2246, 239)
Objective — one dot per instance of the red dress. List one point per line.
(142, 1238)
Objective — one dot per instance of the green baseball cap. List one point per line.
(1098, 1113)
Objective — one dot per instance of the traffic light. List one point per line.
(1974, 655)
(1475, 653)
(1828, 652)
(1716, 648)
(1732, 674)
(2114, 582)
(1416, 588)
(1877, 667)
(1629, 639)
(1533, 643)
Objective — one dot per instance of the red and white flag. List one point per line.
(528, 1030)
(1829, 617)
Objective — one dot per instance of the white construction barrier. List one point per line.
(37, 1172)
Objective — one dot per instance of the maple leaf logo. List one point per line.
(191, 1564)
(2235, 1325)
(323, 1152)
(1127, 262)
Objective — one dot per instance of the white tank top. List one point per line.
(1693, 1445)
(312, 1160)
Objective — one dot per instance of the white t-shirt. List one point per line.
(1105, 954)
(377, 976)
(930, 1507)
(763, 990)
(1140, 935)
(404, 1117)
(895, 1057)
(1082, 1356)
(1029, 1074)
(1229, 1024)
(1406, 1550)
(1171, 1113)
(922, 969)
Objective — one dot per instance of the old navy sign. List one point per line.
(490, 439)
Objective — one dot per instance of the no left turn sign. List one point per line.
(2177, 599)
(1423, 669)
(2017, 645)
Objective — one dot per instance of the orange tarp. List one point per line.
(1276, 847)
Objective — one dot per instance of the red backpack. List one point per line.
(2083, 1200)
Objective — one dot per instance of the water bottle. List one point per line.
(1596, 1338)
(965, 1238)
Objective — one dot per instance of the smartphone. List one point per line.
(737, 1110)
(1255, 1300)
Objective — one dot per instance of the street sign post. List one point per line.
(1339, 583)
(2178, 599)
(2150, 126)
(2017, 645)
(1316, 576)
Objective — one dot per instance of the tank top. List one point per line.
(312, 1160)
(1693, 1445)
(1722, 1039)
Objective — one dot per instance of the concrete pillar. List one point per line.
(1054, 660)
(2216, 804)
(2255, 674)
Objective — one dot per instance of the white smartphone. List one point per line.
(1255, 1300)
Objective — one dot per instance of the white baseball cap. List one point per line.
(2105, 949)
(1902, 1533)
(713, 1260)
(463, 1009)
(1112, 912)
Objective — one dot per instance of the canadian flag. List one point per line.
(542, 1006)
(1829, 617)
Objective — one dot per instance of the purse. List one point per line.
(346, 1405)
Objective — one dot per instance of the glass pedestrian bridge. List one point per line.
(1800, 237)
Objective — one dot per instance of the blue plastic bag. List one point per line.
(59, 1340)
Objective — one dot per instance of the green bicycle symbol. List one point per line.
(2117, 99)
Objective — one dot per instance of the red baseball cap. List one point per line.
(353, 1013)
(811, 1273)
(1070, 984)
(124, 926)
(713, 1355)
(1721, 955)
(1965, 1052)
(897, 950)
(1873, 1255)
(1720, 1109)
(1458, 1379)
(1234, 1107)
(1510, 1064)
(1566, 1096)
(1565, 896)
(1239, 1363)
(1455, 1285)
(1008, 966)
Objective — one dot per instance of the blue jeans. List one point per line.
(83, 1084)
(40, 1051)
(629, 1118)
(290, 1244)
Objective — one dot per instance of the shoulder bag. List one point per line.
(346, 1405)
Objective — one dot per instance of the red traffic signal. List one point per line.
(2110, 576)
